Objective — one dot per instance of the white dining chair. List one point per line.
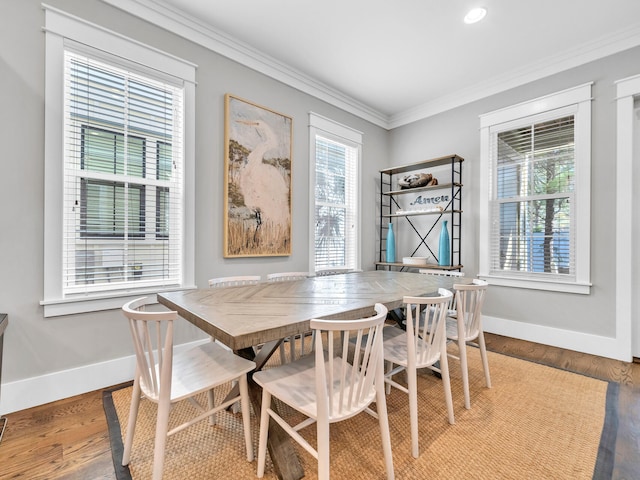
(421, 345)
(444, 273)
(234, 281)
(292, 340)
(165, 377)
(332, 271)
(466, 328)
(286, 276)
(328, 388)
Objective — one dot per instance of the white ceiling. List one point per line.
(401, 60)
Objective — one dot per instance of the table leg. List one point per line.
(260, 359)
(285, 460)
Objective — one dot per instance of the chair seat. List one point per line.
(165, 376)
(294, 384)
(469, 302)
(327, 387)
(395, 348)
(198, 368)
(452, 330)
(421, 345)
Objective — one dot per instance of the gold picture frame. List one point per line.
(257, 180)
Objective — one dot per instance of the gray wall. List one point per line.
(35, 346)
(457, 131)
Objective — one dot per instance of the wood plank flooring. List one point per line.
(68, 439)
(597, 367)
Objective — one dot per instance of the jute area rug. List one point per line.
(536, 422)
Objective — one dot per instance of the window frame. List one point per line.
(86, 177)
(578, 101)
(61, 30)
(333, 131)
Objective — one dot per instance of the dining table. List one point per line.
(263, 315)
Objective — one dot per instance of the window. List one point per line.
(116, 223)
(335, 162)
(536, 157)
(102, 204)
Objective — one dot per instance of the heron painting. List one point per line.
(257, 200)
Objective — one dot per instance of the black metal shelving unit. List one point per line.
(389, 210)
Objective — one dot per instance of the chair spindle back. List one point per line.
(426, 326)
(152, 334)
(469, 302)
(347, 385)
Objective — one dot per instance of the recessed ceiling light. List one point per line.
(475, 15)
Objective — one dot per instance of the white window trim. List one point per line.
(627, 337)
(319, 124)
(61, 26)
(580, 96)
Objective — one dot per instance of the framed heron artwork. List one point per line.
(257, 180)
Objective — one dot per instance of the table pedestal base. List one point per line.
(284, 457)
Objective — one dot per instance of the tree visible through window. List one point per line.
(331, 204)
(535, 168)
(335, 198)
(535, 189)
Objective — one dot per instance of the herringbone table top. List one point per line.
(246, 316)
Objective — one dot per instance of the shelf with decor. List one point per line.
(436, 202)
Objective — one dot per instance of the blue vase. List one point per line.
(391, 245)
(444, 253)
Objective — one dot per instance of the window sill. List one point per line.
(534, 284)
(96, 303)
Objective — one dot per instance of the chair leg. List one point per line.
(464, 368)
(246, 418)
(383, 419)
(211, 404)
(464, 365)
(292, 347)
(324, 464)
(235, 408)
(485, 360)
(412, 384)
(303, 351)
(162, 424)
(446, 383)
(131, 424)
(264, 432)
(389, 367)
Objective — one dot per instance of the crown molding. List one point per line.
(565, 60)
(192, 29)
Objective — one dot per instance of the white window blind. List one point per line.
(534, 198)
(535, 190)
(123, 167)
(335, 154)
(335, 192)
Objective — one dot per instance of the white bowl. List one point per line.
(414, 260)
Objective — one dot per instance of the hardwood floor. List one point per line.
(68, 439)
(597, 367)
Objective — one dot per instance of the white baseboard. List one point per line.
(580, 342)
(31, 392)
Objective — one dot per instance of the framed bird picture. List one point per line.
(257, 180)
